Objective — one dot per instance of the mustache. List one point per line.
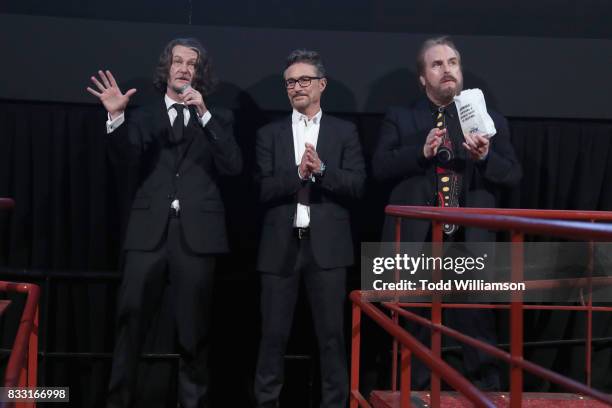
(448, 78)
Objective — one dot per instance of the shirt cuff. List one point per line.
(112, 124)
(205, 118)
(311, 178)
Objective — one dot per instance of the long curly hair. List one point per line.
(203, 81)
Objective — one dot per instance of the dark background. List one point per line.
(543, 64)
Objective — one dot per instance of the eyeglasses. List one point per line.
(303, 81)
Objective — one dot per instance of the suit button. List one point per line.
(176, 175)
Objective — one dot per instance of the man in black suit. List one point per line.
(174, 151)
(309, 168)
(424, 152)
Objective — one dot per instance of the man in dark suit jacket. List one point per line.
(309, 168)
(173, 150)
(423, 150)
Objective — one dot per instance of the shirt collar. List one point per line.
(449, 109)
(169, 102)
(297, 117)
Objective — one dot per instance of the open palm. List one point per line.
(110, 94)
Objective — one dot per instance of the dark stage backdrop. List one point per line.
(51, 59)
(70, 208)
(65, 232)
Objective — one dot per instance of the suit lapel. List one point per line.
(158, 124)
(287, 147)
(423, 121)
(422, 115)
(325, 139)
(163, 120)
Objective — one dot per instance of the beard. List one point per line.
(446, 93)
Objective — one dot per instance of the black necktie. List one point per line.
(179, 122)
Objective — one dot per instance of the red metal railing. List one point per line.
(519, 222)
(21, 370)
(6, 203)
(22, 367)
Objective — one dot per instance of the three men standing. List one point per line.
(309, 168)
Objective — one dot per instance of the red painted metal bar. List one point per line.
(394, 352)
(533, 368)
(508, 219)
(516, 323)
(519, 212)
(21, 369)
(589, 341)
(359, 400)
(589, 319)
(3, 305)
(405, 378)
(568, 283)
(355, 352)
(600, 281)
(437, 365)
(507, 306)
(548, 214)
(557, 228)
(6, 203)
(32, 370)
(436, 313)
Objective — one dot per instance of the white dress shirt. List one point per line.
(304, 131)
(112, 124)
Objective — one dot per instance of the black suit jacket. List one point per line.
(339, 148)
(156, 171)
(399, 158)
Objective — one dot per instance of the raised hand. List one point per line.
(432, 142)
(313, 160)
(110, 94)
(303, 168)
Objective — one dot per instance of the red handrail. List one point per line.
(509, 222)
(438, 365)
(502, 355)
(21, 369)
(22, 366)
(577, 215)
(6, 203)
(519, 221)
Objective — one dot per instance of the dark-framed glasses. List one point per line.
(303, 81)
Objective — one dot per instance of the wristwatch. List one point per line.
(319, 174)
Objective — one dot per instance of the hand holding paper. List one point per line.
(477, 145)
(473, 114)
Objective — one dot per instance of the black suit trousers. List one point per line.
(326, 292)
(146, 275)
